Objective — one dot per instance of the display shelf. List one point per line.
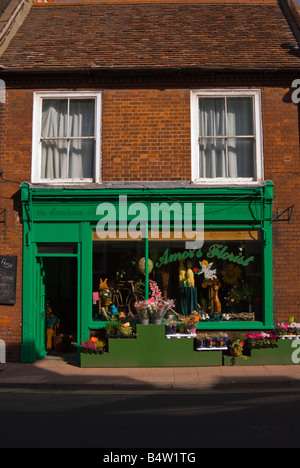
(224, 348)
(152, 349)
(284, 354)
(181, 335)
(290, 337)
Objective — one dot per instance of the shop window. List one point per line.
(222, 280)
(118, 276)
(226, 136)
(66, 137)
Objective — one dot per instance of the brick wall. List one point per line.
(15, 150)
(146, 137)
(282, 166)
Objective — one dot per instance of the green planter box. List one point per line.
(151, 348)
(283, 355)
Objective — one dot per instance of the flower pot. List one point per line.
(144, 321)
(200, 343)
(171, 329)
(157, 321)
(222, 342)
(236, 351)
(209, 343)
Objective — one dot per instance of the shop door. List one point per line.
(57, 291)
(40, 309)
(62, 296)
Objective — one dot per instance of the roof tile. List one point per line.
(153, 35)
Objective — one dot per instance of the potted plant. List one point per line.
(191, 324)
(110, 329)
(126, 331)
(202, 306)
(261, 340)
(236, 346)
(201, 340)
(142, 311)
(288, 329)
(156, 307)
(89, 346)
(241, 294)
(222, 340)
(113, 329)
(171, 327)
(100, 346)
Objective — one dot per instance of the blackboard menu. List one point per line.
(8, 279)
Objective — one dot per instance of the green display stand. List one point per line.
(283, 355)
(151, 348)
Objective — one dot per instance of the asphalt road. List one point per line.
(145, 420)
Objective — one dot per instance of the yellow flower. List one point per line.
(231, 274)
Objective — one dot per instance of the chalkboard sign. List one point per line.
(8, 279)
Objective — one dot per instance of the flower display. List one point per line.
(155, 307)
(93, 345)
(291, 328)
(216, 340)
(236, 347)
(240, 293)
(261, 340)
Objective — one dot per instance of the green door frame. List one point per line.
(40, 308)
(61, 255)
(31, 258)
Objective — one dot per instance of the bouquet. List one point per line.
(155, 307)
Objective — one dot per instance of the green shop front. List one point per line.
(90, 255)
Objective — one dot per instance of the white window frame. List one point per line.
(258, 138)
(36, 134)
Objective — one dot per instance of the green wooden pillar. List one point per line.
(267, 256)
(146, 265)
(85, 285)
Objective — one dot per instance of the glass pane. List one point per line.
(241, 157)
(82, 117)
(54, 118)
(117, 268)
(212, 158)
(59, 248)
(212, 116)
(54, 159)
(240, 116)
(222, 281)
(81, 159)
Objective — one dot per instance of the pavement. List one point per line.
(55, 372)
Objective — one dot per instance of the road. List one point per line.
(141, 419)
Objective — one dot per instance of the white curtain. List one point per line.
(232, 153)
(67, 152)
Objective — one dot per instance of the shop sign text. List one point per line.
(215, 251)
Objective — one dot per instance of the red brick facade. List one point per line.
(146, 136)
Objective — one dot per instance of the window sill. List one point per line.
(66, 183)
(229, 183)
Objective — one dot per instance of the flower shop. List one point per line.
(151, 296)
